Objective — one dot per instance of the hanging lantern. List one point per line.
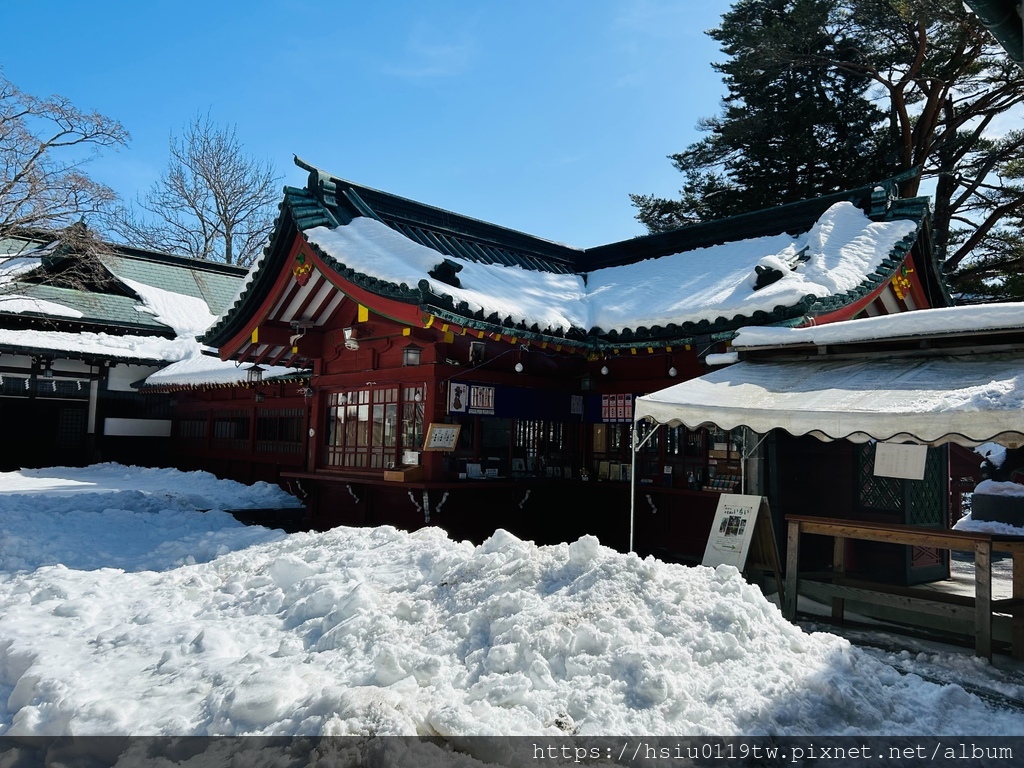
(411, 355)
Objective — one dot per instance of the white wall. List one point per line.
(137, 427)
(121, 376)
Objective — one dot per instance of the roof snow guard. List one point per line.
(785, 265)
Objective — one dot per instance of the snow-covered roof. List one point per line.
(88, 343)
(201, 369)
(949, 374)
(812, 258)
(11, 267)
(945, 320)
(929, 400)
(185, 312)
(17, 304)
(834, 257)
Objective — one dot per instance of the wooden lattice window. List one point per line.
(231, 429)
(192, 428)
(878, 492)
(365, 431)
(279, 430)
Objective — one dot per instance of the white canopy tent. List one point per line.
(969, 399)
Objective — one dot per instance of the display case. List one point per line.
(674, 457)
(724, 457)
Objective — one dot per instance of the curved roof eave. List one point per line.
(304, 209)
(296, 206)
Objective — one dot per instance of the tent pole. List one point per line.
(632, 477)
(632, 489)
(744, 456)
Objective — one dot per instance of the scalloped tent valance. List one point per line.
(968, 400)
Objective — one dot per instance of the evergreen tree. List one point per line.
(940, 84)
(947, 82)
(780, 119)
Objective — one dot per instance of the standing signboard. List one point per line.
(742, 530)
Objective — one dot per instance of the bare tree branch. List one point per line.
(212, 202)
(44, 142)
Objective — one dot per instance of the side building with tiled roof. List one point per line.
(466, 375)
(80, 329)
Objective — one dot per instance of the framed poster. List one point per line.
(441, 437)
(471, 398)
(458, 397)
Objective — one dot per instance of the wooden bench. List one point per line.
(981, 606)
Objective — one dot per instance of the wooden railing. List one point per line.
(981, 605)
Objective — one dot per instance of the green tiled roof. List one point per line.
(108, 304)
(96, 308)
(443, 231)
(189, 277)
(17, 245)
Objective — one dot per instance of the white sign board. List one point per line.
(898, 460)
(732, 530)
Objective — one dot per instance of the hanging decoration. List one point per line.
(302, 269)
(901, 283)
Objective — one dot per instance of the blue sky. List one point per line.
(540, 116)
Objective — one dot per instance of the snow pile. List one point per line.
(969, 523)
(703, 284)
(376, 631)
(992, 488)
(999, 488)
(200, 490)
(993, 453)
(187, 315)
(132, 518)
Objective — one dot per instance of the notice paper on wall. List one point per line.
(900, 460)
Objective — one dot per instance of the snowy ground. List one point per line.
(133, 612)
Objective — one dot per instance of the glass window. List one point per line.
(363, 429)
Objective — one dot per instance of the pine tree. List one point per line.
(946, 82)
(832, 94)
(779, 121)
